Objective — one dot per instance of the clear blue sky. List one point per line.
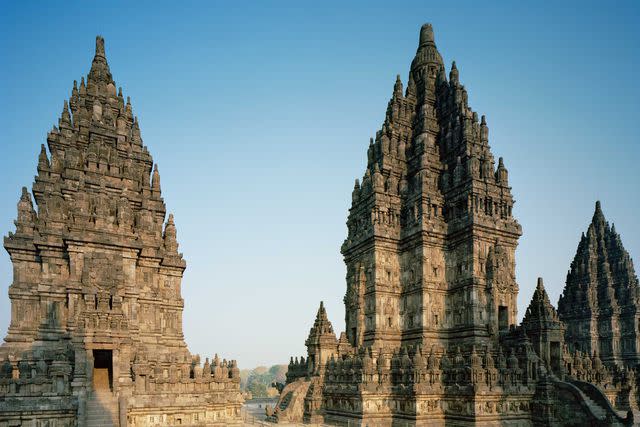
(259, 115)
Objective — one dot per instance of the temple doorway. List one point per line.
(503, 318)
(556, 356)
(102, 370)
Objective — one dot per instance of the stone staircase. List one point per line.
(102, 410)
(605, 415)
(597, 410)
(601, 413)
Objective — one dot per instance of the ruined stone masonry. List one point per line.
(431, 303)
(96, 308)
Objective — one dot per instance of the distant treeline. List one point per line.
(258, 381)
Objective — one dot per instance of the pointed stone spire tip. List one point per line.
(598, 215)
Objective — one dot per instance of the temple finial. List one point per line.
(426, 34)
(100, 46)
(397, 87)
(100, 73)
(598, 216)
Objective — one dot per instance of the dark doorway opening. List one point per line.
(556, 356)
(503, 318)
(103, 370)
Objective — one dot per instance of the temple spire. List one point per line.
(100, 73)
(322, 325)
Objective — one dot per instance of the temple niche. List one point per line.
(431, 303)
(96, 310)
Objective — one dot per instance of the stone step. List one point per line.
(94, 421)
(102, 410)
(597, 410)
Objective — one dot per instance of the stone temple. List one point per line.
(601, 302)
(431, 303)
(96, 308)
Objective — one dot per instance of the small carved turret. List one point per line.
(25, 224)
(206, 369)
(155, 180)
(484, 130)
(454, 76)
(135, 132)
(378, 179)
(170, 241)
(502, 175)
(540, 312)
(65, 120)
(43, 160)
(355, 195)
(83, 88)
(397, 88)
